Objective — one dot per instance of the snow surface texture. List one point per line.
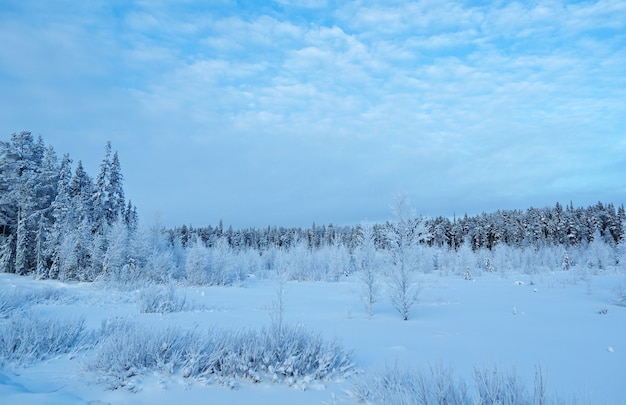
(564, 323)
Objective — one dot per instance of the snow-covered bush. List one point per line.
(465, 259)
(620, 294)
(26, 337)
(216, 265)
(161, 299)
(303, 263)
(125, 351)
(397, 386)
(226, 267)
(333, 261)
(197, 263)
(250, 262)
(159, 267)
(16, 299)
(295, 356)
(600, 254)
(12, 300)
(496, 387)
(438, 385)
(298, 264)
(51, 294)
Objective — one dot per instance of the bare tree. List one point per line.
(367, 263)
(403, 237)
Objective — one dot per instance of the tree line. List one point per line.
(534, 227)
(58, 222)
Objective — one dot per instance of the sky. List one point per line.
(288, 113)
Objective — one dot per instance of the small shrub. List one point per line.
(12, 300)
(620, 295)
(51, 295)
(437, 385)
(15, 299)
(125, 352)
(26, 337)
(496, 387)
(161, 299)
(408, 386)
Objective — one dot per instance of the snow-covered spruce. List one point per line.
(293, 355)
(620, 295)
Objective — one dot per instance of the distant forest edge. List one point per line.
(534, 227)
(57, 222)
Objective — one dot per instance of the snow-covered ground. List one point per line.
(564, 322)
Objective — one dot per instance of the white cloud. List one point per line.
(307, 99)
(304, 3)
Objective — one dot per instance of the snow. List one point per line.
(552, 320)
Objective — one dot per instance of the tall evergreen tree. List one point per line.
(81, 194)
(131, 218)
(77, 240)
(46, 194)
(62, 215)
(108, 199)
(115, 191)
(20, 165)
(100, 198)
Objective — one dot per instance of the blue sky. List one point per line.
(293, 112)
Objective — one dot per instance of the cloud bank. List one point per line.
(290, 112)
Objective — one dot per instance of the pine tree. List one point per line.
(131, 218)
(62, 215)
(79, 229)
(115, 191)
(20, 165)
(7, 254)
(100, 198)
(621, 246)
(82, 194)
(109, 204)
(46, 194)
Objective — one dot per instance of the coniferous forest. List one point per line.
(56, 220)
(59, 222)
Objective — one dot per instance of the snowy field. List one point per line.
(565, 323)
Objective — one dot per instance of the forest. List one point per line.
(58, 222)
(534, 227)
